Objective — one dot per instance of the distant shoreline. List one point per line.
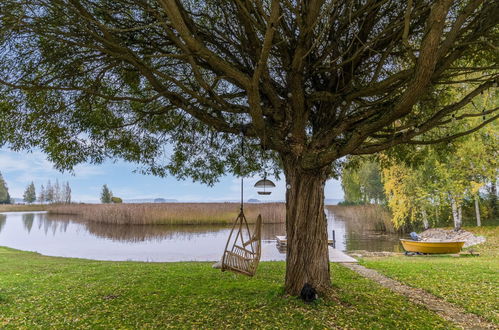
(327, 201)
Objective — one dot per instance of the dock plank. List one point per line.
(282, 240)
(335, 255)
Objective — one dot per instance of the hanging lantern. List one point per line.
(263, 186)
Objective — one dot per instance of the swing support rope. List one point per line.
(242, 177)
(243, 249)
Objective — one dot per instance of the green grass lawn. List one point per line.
(42, 292)
(470, 282)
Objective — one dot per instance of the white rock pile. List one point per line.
(440, 235)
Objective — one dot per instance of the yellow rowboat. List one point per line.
(431, 247)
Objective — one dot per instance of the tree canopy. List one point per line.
(85, 80)
(106, 195)
(4, 191)
(361, 182)
(29, 195)
(426, 181)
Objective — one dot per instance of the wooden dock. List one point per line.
(281, 240)
(335, 255)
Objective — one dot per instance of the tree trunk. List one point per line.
(307, 259)
(456, 214)
(460, 215)
(426, 224)
(493, 199)
(477, 211)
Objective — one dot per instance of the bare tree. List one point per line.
(309, 81)
(66, 193)
(42, 195)
(49, 193)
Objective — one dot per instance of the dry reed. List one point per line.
(172, 213)
(22, 207)
(365, 217)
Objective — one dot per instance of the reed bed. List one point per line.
(365, 217)
(22, 207)
(172, 213)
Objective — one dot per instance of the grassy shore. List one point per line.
(172, 213)
(48, 292)
(22, 208)
(471, 282)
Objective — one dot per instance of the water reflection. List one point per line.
(28, 220)
(144, 233)
(3, 220)
(52, 225)
(354, 235)
(69, 236)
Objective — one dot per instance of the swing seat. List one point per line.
(243, 250)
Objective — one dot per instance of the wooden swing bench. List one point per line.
(243, 250)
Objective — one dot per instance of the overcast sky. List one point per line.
(19, 169)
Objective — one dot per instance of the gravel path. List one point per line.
(446, 310)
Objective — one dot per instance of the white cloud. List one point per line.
(20, 168)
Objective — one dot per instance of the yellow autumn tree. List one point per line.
(409, 199)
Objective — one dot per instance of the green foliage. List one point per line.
(349, 203)
(429, 181)
(471, 283)
(127, 85)
(4, 191)
(116, 200)
(350, 183)
(493, 203)
(47, 292)
(106, 195)
(30, 193)
(361, 182)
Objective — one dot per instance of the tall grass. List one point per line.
(22, 207)
(172, 213)
(365, 217)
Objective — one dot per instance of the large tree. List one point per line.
(29, 195)
(361, 181)
(106, 195)
(4, 191)
(307, 81)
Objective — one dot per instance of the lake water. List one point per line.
(66, 236)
